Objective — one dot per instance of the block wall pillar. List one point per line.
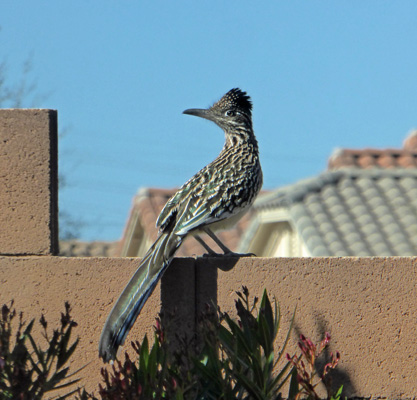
(28, 182)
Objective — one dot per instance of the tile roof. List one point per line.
(149, 202)
(377, 158)
(353, 212)
(75, 248)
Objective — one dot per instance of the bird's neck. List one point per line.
(240, 137)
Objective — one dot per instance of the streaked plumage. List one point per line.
(216, 196)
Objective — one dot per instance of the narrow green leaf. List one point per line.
(258, 375)
(287, 338)
(268, 368)
(249, 385)
(266, 310)
(265, 337)
(144, 354)
(279, 380)
(338, 394)
(225, 335)
(242, 341)
(294, 388)
(152, 362)
(208, 372)
(277, 319)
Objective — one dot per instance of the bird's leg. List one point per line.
(209, 250)
(226, 250)
(219, 243)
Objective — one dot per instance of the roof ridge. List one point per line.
(297, 191)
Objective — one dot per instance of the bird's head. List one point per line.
(232, 111)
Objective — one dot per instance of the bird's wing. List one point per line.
(201, 208)
(209, 196)
(171, 207)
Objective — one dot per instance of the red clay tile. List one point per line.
(377, 158)
(407, 161)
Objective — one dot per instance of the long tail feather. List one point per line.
(134, 296)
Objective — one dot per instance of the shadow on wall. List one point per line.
(338, 376)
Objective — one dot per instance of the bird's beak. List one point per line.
(198, 112)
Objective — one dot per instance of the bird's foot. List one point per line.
(233, 254)
(228, 254)
(213, 254)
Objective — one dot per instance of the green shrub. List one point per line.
(238, 360)
(227, 360)
(231, 360)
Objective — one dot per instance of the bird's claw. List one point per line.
(231, 254)
(207, 255)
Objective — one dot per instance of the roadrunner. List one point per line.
(214, 198)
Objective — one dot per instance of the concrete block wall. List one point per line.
(368, 304)
(42, 284)
(29, 182)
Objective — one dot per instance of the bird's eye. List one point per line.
(229, 113)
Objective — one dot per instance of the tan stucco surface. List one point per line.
(91, 285)
(28, 182)
(369, 305)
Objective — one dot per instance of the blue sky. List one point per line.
(321, 74)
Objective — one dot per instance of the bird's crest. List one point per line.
(235, 98)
